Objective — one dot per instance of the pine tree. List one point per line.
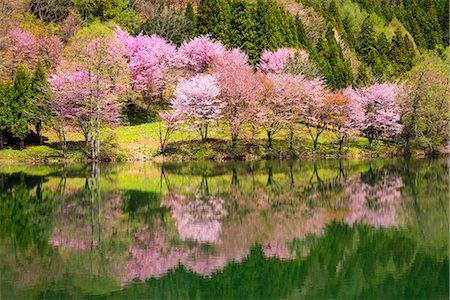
(335, 68)
(207, 16)
(333, 15)
(222, 30)
(5, 112)
(189, 13)
(303, 39)
(20, 95)
(366, 42)
(348, 33)
(244, 33)
(363, 76)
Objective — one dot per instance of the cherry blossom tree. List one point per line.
(199, 53)
(276, 61)
(170, 123)
(240, 90)
(288, 99)
(148, 60)
(375, 110)
(198, 99)
(97, 69)
(339, 112)
(28, 48)
(271, 120)
(314, 114)
(72, 103)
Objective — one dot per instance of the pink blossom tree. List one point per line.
(197, 99)
(315, 115)
(276, 61)
(240, 90)
(169, 125)
(71, 102)
(98, 72)
(271, 120)
(288, 99)
(27, 48)
(148, 60)
(199, 53)
(375, 110)
(339, 116)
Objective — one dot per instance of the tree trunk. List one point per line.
(315, 142)
(269, 139)
(203, 129)
(2, 142)
(39, 132)
(291, 140)
(233, 140)
(341, 142)
(22, 144)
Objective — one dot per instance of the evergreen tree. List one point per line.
(333, 16)
(207, 16)
(222, 30)
(348, 33)
(5, 112)
(267, 20)
(244, 33)
(20, 95)
(366, 42)
(302, 37)
(189, 13)
(329, 56)
(363, 76)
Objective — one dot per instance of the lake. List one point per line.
(231, 230)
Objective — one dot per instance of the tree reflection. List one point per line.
(295, 220)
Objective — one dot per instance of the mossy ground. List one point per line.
(140, 142)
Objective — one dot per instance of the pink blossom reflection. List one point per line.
(198, 219)
(374, 204)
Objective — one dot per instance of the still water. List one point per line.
(241, 230)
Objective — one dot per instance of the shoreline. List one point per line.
(368, 156)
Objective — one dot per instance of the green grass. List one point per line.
(141, 142)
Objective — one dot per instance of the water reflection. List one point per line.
(100, 229)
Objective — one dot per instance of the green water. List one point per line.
(241, 230)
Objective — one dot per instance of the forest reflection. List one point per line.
(128, 222)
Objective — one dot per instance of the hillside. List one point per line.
(355, 69)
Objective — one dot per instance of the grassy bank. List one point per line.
(141, 143)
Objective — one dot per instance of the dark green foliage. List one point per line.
(189, 13)
(20, 97)
(367, 43)
(244, 32)
(336, 69)
(303, 39)
(426, 20)
(363, 76)
(251, 26)
(402, 53)
(5, 111)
